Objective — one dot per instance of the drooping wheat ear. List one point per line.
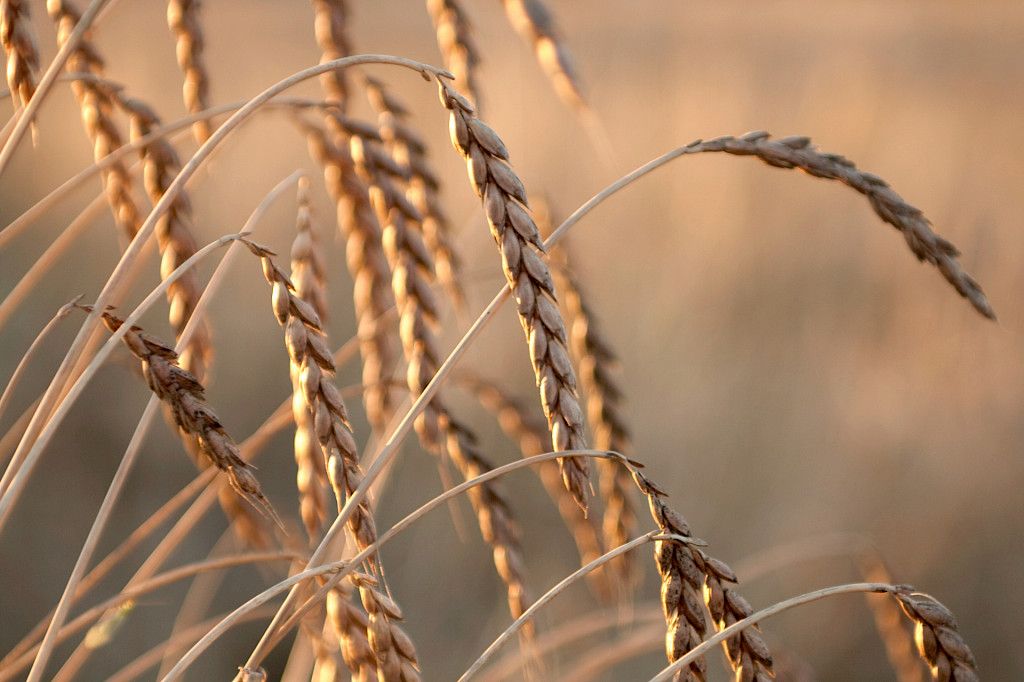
(504, 199)
(394, 651)
(308, 277)
(595, 360)
(174, 231)
(368, 266)
(438, 430)
(350, 626)
(409, 151)
(330, 18)
(798, 152)
(313, 364)
(938, 642)
(183, 18)
(96, 104)
(185, 396)
(20, 47)
(455, 39)
(686, 572)
(535, 23)
(531, 435)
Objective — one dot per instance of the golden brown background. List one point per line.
(791, 371)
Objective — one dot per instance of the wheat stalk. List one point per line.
(183, 18)
(455, 40)
(529, 279)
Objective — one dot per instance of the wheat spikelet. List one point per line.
(96, 105)
(20, 47)
(504, 199)
(308, 277)
(439, 431)
(394, 651)
(534, 22)
(798, 152)
(180, 391)
(410, 151)
(938, 641)
(455, 39)
(531, 435)
(183, 20)
(595, 360)
(686, 571)
(350, 626)
(313, 364)
(330, 18)
(368, 267)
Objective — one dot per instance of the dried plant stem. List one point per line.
(561, 587)
(20, 47)
(68, 47)
(455, 39)
(410, 153)
(183, 18)
(27, 357)
(516, 235)
(530, 435)
(131, 593)
(603, 656)
(932, 619)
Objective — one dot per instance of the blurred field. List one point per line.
(791, 371)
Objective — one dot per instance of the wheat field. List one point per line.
(765, 392)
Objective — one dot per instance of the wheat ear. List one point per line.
(595, 360)
(529, 279)
(535, 23)
(185, 396)
(96, 104)
(686, 572)
(938, 641)
(455, 40)
(409, 150)
(308, 276)
(350, 626)
(330, 19)
(183, 20)
(20, 47)
(368, 267)
(438, 430)
(530, 435)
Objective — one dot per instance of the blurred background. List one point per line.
(791, 371)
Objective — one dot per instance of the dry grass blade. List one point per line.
(687, 572)
(369, 268)
(529, 279)
(20, 47)
(183, 18)
(536, 25)
(455, 39)
(439, 431)
(530, 435)
(410, 152)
